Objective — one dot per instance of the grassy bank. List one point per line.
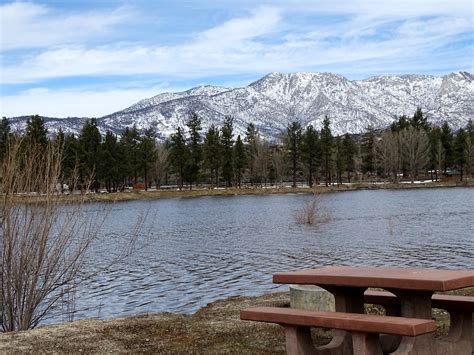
(198, 192)
(269, 190)
(214, 329)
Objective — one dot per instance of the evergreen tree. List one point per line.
(436, 152)
(178, 155)
(310, 152)
(448, 146)
(129, 143)
(338, 159)
(70, 161)
(227, 150)
(348, 153)
(240, 159)
(146, 154)
(419, 120)
(109, 161)
(397, 126)
(327, 144)
(89, 147)
(36, 136)
(212, 153)
(460, 150)
(4, 137)
(194, 148)
(251, 137)
(368, 149)
(469, 147)
(293, 142)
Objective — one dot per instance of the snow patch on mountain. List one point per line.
(275, 100)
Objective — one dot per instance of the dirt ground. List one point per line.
(215, 329)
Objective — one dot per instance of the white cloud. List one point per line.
(29, 25)
(77, 103)
(366, 37)
(235, 47)
(382, 8)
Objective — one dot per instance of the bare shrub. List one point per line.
(313, 212)
(44, 237)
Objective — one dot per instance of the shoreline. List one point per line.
(258, 191)
(215, 328)
(154, 194)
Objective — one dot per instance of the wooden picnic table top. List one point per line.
(395, 278)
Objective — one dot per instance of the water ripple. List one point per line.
(204, 249)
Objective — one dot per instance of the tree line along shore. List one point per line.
(409, 149)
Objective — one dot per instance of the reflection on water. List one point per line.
(204, 249)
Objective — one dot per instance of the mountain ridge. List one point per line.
(276, 99)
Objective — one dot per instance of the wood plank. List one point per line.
(338, 320)
(447, 302)
(399, 278)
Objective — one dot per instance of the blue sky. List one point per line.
(90, 58)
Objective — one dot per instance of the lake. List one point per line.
(198, 250)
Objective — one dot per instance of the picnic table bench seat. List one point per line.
(364, 328)
(460, 309)
(447, 302)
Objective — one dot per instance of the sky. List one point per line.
(89, 58)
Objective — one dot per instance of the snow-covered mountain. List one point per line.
(277, 99)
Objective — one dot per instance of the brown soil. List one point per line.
(215, 329)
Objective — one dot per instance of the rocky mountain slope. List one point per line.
(277, 99)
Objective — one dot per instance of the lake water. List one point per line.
(203, 249)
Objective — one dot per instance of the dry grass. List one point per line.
(200, 192)
(215, 329)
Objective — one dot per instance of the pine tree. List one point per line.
(178, 155)
(213, 153)
(227, 150)
(88, 152)
(109, 162)
(293, 142)
(70, 161)
(448, 146)
(146, 154)
(338, 159)
(251, 136)
(349, 152)
(460, 150)
(310, 152)
(240, 159)
(419, 120)
(4, 137)
(469, 147)
(129, 142)
(36, 136)
(436, 152)
(194, 148)
(402, 123)
(368, 149)
(327, 144)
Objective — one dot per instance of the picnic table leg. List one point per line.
(416, 304)
(298, 341)
(348, 300)
(460, 338)
(390, 343)
(366, 344)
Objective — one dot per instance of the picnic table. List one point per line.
(414, 289)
